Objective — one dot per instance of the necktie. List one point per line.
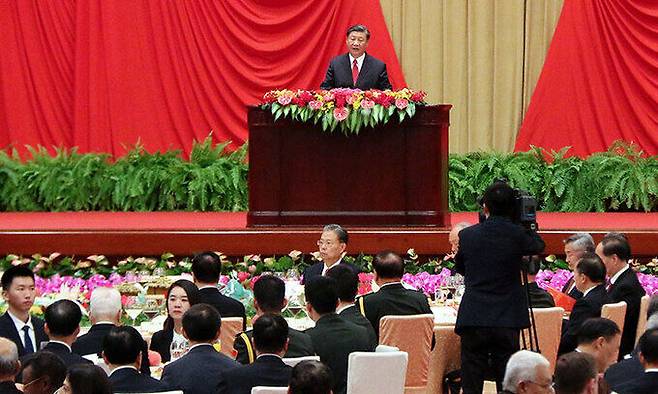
(29, 347)
(355, 72)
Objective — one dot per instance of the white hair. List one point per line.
(652, 322)
(581, 241)
(522, 367)
(105, 303)
(460, 226)
(8, 357)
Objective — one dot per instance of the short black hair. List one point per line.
(499, 199)
(360, 29)
(311, 377)
(122, 345)
(573, 371)
(616, 243)
(44, 363)
(340, 232)
(592, 267)
(201, 323)
(15, 271)
(207, 267)
(388, 265)
(88, 379)
(597, 327)
(347, 282)
(649, 346)
(269, 293)
(321, 294)
(63, 317)
(270, 333)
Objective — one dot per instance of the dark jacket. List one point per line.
(334, 339)
(69, 358)
(373, 74)
(299, 345)
(200, 371)
(8, 330)
(226, 306)
(627, 288)
(267, 370)
(161, 343)
(585, 308)
(574, 293)
(129, 380)
(624, 372)
(646, 384)
(315, 270)
(9, 388)
(490, 255)
(539, 298)
(353, 315)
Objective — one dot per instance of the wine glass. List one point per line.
(134, 308)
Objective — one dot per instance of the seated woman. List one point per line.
(181, 295)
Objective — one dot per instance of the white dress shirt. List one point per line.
(359, 61)
(19, 327)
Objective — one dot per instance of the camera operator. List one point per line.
(494, 307)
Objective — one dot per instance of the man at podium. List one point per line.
(356, 69)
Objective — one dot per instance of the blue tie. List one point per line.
(29, 347)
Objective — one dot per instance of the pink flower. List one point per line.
(401, 103)
(315, 104)
(242, 276)
(284, 100)
(367, 104)
(341, 113)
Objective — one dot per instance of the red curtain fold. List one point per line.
(600, 80)
(102, 75)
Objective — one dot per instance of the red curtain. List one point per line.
(102, 75)
(600, 79)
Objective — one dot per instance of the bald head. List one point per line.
(453, 236)
(9, 364)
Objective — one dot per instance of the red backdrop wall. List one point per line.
(102, 75)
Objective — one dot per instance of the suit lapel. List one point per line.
(13, 334)
(364, 69)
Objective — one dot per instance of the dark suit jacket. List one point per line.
(628, 288)
(315, 270)
(334, 339)
(646, 384)
(200, 371)
(226, 306)
(393, 299)
(574, 293)
(299, 345)
(161, 343)
(8, 330)
(267, 370)
(489, 257)
(353, 315)
(624, 372)
(539, 298)
(69, 358)
(128, 380)
(585, 308)
(9, 388)
(92, 343)
(372, 75)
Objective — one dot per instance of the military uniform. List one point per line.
(299, 345)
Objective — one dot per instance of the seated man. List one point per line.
(347, 282)
(63, 326)
(599, 337)
(9, 366)
(590, 280)
(271, 340)
(122, 352)
(43, 373)
(539, 298)
(333, 338)
(453, 237)
(310, 377)
(648, 382)
(332, 245)
(392, 298)
(574, 248)
(201, 370)
(206, 270)
(16, 324)
(269, 297)
(575, 373)
(527, 372)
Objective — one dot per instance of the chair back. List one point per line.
(615, 312)
(446, 357)
(642, 320)
(292, 361)
(383, 372)
(268, 390)
(549, 331)
(231, 326)
(395, 331)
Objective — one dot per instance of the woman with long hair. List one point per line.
(85, 379)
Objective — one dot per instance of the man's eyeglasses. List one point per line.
(328, 244)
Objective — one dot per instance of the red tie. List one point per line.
(355, 72)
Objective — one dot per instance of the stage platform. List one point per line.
(184, 233)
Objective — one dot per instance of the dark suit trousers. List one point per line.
(484, 348)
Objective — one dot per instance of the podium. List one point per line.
(392, 175)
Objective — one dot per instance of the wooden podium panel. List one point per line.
(393, 175)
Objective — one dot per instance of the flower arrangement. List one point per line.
(557, 279)
(347, 109)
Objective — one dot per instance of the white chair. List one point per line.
(292, 361)
(369, 372)
(268, 390)
(386, 348)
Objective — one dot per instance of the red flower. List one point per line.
(418, 96)
(341, 113)
(401, 103)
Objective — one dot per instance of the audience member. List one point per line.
(201, 370)
(332, 245)
(86, 379)
(392, 298)
(206, 270)
(43, 373)
(270, 336)
(333, 338)
(453, 236)
(539, 298)
(311, 377)
(180, 296)
(575, 373)
(600, 338)
(16, 324)
(615, 251)
(589, 277)
(347, 282)
(648, 382)
(9, 366)
(527, 372)
(63, 326)
(122, 352)
(270, 297)
(574, 248)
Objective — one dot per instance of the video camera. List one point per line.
(525, 208)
